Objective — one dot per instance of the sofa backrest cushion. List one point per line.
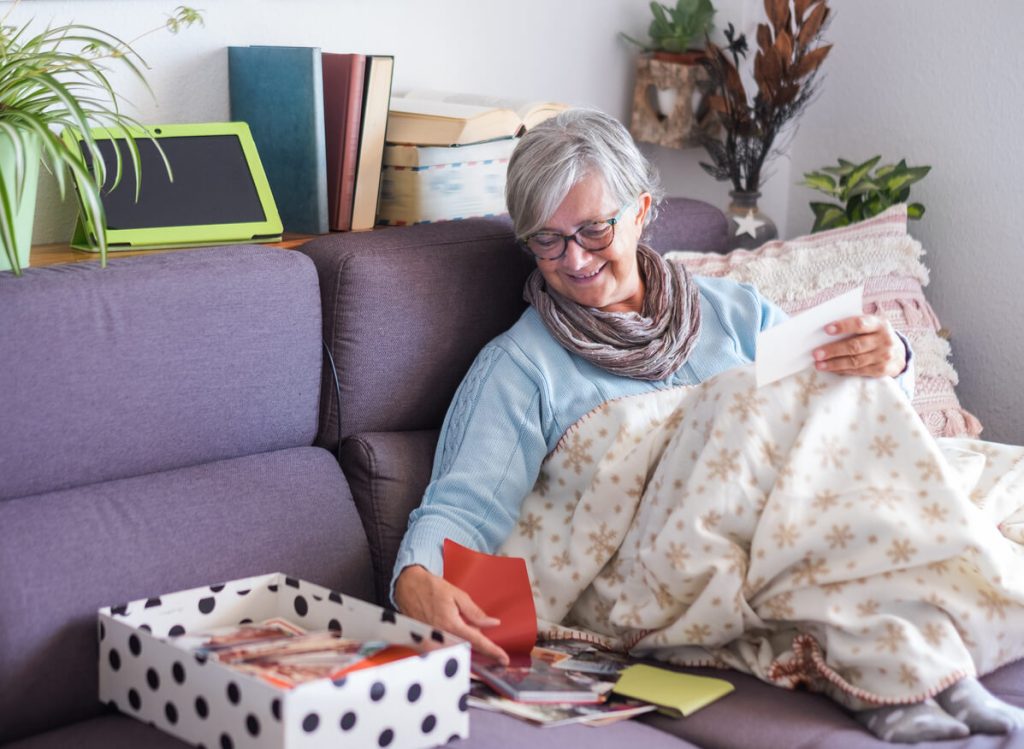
(155, 363)
(406, 309)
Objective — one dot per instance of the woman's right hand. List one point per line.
(432, 599)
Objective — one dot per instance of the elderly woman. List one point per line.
(608, 318)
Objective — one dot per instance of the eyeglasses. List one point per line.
(592, 237)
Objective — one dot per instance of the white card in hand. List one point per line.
(788, 347)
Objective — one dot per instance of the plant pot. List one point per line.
(748, 226)
(24, 204)
(689, 57)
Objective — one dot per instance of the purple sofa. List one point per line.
(170, 422)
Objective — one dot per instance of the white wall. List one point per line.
(938, 83)
(561, 50)
(941, 83)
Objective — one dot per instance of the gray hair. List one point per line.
(559, 152)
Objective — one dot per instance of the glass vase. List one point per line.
(748, 226)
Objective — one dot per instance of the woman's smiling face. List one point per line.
(608, 279)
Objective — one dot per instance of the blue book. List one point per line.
(279, 92)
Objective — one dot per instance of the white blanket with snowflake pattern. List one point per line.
(809, 531)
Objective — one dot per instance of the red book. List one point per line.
(501, 587)
(343, 102)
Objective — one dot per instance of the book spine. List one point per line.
(279, 92)
(353, 131)
(343, 99)
(376, 97)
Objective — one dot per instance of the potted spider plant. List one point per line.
(50, 80)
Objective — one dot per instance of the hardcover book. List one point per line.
(376, 95)
(343, 103)
(279, 92)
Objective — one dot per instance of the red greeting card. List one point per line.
(501, 587)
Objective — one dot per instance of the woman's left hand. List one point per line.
(872, 348)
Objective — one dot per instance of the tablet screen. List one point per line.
(212, 184)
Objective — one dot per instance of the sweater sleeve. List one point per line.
(488, 457)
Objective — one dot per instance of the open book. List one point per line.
(438, 118)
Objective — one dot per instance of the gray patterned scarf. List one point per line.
(650, 346)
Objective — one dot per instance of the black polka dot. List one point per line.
(347, 721)
(152, 602)
(336, 597)
(134, 700)
(437, 636)
(153, 679)
(414, 692)
(226, 742)
(176, 631)
(171, 712)
(115, 659)
(310, 722)
(247, 620)
(340, 681)
(206, 605)
(275, 709)
(317, 598)
(272, 588)
(119, 610)
(429, 724)
(103, 632)
(233, 694)
(377, 691)
(134, 644)
(453, 737)
(301, 607)
(416, 636)
(252, 724)
(217, 588)
(334, 625)
(243, 592)
(202, 709)
(201, 658)
(178, 672)
(387, 615)
(291, 582)
(464, 702)
(451, 668)
(145, 628)
(386, 737)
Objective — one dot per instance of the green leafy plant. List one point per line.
(675, 29)
(862, 193)
(60, 78)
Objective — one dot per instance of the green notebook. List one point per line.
(676, 694)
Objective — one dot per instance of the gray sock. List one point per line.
(969, 702)
(908, 724)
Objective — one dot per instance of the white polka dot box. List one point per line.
(414, 702)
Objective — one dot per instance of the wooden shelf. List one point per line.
(62, 252)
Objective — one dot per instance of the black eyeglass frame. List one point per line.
(575, 237)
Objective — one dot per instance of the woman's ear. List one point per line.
(645, 206)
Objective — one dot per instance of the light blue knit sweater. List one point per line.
(521, 394)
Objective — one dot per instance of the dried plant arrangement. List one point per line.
(786, 67)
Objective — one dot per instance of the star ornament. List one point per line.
(748, 224)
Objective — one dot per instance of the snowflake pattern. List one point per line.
(851, 513)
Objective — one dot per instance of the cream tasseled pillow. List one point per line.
(799, 273)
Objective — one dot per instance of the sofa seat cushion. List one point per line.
(65, 554)
(761, 715)
(388, 472)
(155, 363)
(487, 730)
